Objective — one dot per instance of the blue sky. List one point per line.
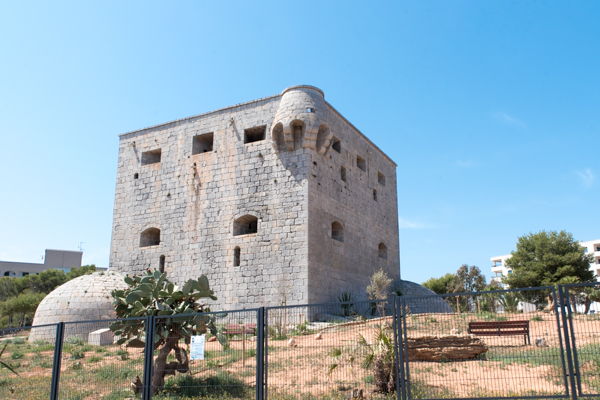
(489, 108)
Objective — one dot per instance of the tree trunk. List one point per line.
(588, 304)
(160, 363)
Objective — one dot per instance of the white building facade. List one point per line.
(500, 269)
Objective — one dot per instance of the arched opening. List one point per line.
(236, 256)
(245, 225)
(150, 237)
(298, 132)
(337, 231)
(161, 264)
(277, 136)
(382, 251)
(322, 135)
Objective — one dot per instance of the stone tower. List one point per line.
(279, 200)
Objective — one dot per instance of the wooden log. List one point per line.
(445, 348)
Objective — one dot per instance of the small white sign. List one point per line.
(197, 347)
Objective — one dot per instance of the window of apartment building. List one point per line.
(150, 237)
(255, 134)
(597, 247)
(337, 231)
(245, 225)
(151, 157)
(336, 145)
(381, 178)
(361, 163)
(202, 143)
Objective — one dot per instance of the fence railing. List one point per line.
(541, 343)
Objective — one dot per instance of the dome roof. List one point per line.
(81, 299)
(422, 300)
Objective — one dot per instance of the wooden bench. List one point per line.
(501, 328)
(239, 329)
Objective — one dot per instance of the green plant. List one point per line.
(77, 354)
(154, 294)
(123, 354)
(16, 355)
(5, 364)
(94, 359)
(509, 301)
(345, 298)
(377, 356)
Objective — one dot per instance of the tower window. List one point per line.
(255, 134)
(336, 145)
(151, 157)
(343, 173)
(374, 194)
(136, 175)
(236, 256)
(150, 237)
(382, 249)
(245, 225)
(360, 163)
(202, 143)
(337, 231)
(381, 178)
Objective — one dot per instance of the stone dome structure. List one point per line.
(84, 298)
(421, 300)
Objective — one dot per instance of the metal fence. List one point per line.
(534, 343)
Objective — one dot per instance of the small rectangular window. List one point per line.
(361, 163)
(255, 134)
(343, 173)
(151, 157)
(336, 145)
(202, 143)
(381, 178)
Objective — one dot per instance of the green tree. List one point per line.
(441, 285)
(154, 294)
(20, 309)
(546, 259)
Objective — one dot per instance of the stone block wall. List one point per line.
(288, 181)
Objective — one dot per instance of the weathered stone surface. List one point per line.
(101, 337)
(290, 181)
(82, 299)
(445, 348)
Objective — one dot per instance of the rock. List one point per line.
(541, 342)
(292, 343)
(101, 337)
(319, 336)
(454, 331)
(212, 339)
(445, 348)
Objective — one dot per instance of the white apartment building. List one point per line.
(500, 269)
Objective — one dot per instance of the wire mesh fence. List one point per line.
(217, 360)
(330, 351)
(583, 322)
(526, 343)
(492, 344)
(26, 370)
(93, 366)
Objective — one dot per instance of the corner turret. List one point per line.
(301, 121)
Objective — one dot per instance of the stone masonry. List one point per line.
(279, 200)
